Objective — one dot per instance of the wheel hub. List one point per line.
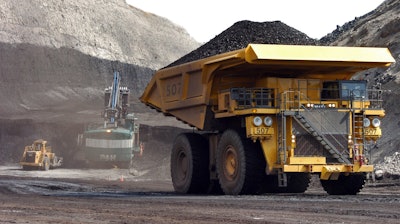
(182, 165)
(230, 168)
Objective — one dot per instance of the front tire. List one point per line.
(240, 164)
(297, 183)
(344, 185)
(189, 164)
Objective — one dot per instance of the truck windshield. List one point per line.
(353, 90)
(344, 90)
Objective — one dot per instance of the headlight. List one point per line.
(376, 122)
(268, 121)
(367, 122)
(257, 121)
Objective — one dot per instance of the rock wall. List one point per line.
(43, 83)
(107, 29)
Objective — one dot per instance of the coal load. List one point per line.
(242, 33)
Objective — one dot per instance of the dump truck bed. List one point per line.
(185, 91)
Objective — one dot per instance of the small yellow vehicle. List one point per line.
(40, 156)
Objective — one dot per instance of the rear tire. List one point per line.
(344, 185)
(190, 164)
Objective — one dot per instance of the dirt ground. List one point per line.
(135, 196)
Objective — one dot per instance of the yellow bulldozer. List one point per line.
(39, 156)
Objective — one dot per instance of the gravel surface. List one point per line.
(83, 197)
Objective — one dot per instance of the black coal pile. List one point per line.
(242, 33)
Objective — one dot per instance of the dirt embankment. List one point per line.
(41, 80)
(111, 30)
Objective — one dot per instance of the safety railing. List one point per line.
(317, 120)
(253, 97)
(266, 98)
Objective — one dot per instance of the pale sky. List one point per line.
(205, 19)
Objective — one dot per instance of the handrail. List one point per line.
(253, 97)
(265, 98)
(289, 103)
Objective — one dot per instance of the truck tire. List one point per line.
(190, 164)
(344, 185)
(240, 164)
(297, 183)
(46, 164)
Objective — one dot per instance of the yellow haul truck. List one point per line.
(269, 116)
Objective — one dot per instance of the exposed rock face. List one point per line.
(111, 30)
(379, 28)
(58, 56)
(55, 84)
